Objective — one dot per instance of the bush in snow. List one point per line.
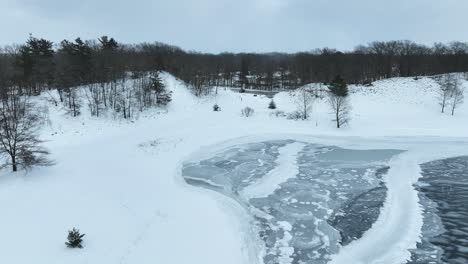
(247, 111)
(278, 113)
(74, 238)
(296, 115)
(272, 105)
(216, 108)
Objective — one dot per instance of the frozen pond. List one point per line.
(444, 195)
(306, 199)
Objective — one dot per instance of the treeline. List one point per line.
(110, 76)
(40, 64)
(365, 64)
(92, 72)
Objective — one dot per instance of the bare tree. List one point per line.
(20, 121)
(74, 102)
(338, 100)
(200, 85)
(341, 108)
(125, 100)
(94, 99)
(456, 97)
(447, 84)
(304, 99)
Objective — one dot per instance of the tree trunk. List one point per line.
(337, 119)
(13, 163)
(74, 108)
(60, 92)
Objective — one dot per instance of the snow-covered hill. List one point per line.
(120, 182)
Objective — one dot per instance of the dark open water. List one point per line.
(444, 196)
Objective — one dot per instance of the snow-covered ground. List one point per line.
(120, 182)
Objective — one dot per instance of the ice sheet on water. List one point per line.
(335, 196)
(237, 167)
(444, 196)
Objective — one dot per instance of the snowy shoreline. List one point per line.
(404, 173)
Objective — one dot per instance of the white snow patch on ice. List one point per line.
(285, 169)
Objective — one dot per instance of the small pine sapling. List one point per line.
(74, 238)
(272, 105)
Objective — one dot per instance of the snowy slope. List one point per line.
(119, 182)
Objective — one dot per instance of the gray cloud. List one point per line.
(242, 25)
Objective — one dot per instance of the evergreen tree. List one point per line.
(73, 69)
(157, 84)
(74, 238)
(107, 65)
(339, 87)
(108, 44)
(272, 104)
(36, 62)
(158, 87)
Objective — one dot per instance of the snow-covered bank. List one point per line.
(128, 196)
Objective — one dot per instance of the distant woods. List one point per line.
(39, 64)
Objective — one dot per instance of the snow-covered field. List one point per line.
(120, 182)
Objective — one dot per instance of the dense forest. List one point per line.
(39, 64)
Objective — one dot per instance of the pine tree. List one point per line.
(36, 61)
(339, 87)
(74, 238)
(73, 69)
(157, 84)
(163, 97)
(108, 43)
(272, 104)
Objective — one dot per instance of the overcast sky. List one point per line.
(242, 25)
